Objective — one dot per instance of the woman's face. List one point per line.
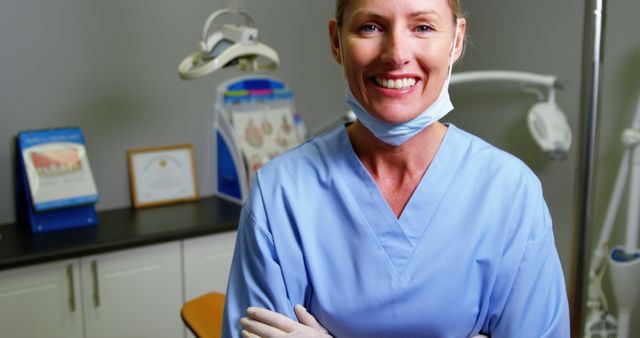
(396, 54)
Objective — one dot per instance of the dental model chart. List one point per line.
(57, 168)
(264, 132)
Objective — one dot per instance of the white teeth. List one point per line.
(397, 83)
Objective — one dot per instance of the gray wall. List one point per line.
(110, 67)
(542, 37)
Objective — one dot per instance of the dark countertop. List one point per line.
(117, 229)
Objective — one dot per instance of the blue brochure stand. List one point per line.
(231, 177)
(58, 218)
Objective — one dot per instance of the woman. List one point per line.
(397, 225)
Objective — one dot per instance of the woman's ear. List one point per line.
(334, 36)
(460, 40)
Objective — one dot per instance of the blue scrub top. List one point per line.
(473, 250)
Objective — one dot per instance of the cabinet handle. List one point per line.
(96, 290)
(72, 295)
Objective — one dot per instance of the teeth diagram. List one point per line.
(286, 126)
(281, 141)
(264, 133)
(54, 162)
(253, 135)
(267, 127)
(56, 170)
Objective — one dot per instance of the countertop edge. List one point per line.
(83, 251)
(122, 229)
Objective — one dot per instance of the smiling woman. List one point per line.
(396, 225)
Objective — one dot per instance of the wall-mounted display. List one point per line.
(162, 175)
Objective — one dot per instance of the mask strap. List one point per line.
(453, 49)
(344, 73)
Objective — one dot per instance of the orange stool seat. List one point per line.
(203, 315)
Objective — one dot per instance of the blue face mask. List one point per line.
(399, 133)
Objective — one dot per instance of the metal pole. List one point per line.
(590, 94)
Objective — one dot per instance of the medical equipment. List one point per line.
(547, 123)
(228, 45)
(592, 62)
(624, 261)
(254, 117)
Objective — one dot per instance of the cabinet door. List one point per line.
(41, 301)
(133, 293)
(207, 261)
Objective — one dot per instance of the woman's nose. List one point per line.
(395, 49)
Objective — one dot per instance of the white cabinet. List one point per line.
(41, 301)
(207, 261)
(133, 293)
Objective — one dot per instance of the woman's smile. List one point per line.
(395, 83)
(394, 86)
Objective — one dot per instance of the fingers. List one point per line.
(272, 319)
(265, 323)
(247, 334)
(306, 318)
(255, 329)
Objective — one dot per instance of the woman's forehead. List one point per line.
(398, 7)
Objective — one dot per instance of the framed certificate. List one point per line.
(162, 175)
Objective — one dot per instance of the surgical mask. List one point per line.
(398, 133)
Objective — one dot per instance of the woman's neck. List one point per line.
(397, 171)
(411, 158)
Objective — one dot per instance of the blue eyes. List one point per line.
(368, 28)
(424, 29)
(372, 28)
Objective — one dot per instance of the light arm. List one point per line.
(502, 75)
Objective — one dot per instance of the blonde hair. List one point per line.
(342, 4)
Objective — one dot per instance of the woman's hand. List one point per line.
(264, 323)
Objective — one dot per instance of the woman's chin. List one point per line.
(395, 116)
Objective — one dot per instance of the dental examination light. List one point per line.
(254, 116)
(225, 45)
(624, 261)
(547, 123)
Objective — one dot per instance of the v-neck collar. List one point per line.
(400, 236)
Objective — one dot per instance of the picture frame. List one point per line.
(162, 175)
